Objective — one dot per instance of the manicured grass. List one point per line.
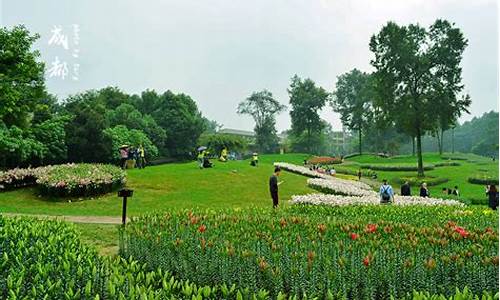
(457, 175)
(103, 237)
(184, 185)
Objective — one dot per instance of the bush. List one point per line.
(394, 167)
(454, 158)
(417, 181)
(348, 171)
(324, 160)
(483, 179)
(78, 180)
(307, 251)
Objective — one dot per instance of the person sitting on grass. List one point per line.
(386, 192)
(455, 191)
(206, 161)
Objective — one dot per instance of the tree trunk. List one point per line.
(441, 142)
(420, 163)
(413, 146)
(453, 140)
(359, 135)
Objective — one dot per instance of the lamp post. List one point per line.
(125, 193)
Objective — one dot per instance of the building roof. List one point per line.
(237, 132)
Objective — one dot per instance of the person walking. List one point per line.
(359, 175)
(424, 191)
(492, 194)
(123, 156)
(386, 192)
(405, 189)
(273, 185)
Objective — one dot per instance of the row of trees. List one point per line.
(35, 128)
(416, 87)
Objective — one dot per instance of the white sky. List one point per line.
(220, 51)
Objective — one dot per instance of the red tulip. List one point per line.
(354, 236)
(371, 228)
(366, 261)
(202, 228)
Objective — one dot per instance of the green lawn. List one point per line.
(182, 185)
(457, 175)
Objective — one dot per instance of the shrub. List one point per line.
(324, 160)
(483, 179)
(393, 167)
(417, 181)
(307, 251)
(77, 180)
(446, 164)
(454, 158)
(354, 172)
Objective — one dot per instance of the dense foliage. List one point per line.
(306, 250)
(217, 142)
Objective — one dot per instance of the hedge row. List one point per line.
(392, 167)
(483, 179)
(417, 181)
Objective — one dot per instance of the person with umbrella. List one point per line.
(123, 156)
(255, 159)
(201, 155)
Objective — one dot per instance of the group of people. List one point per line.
(136, 155)
(323, 170)
(424, 190)
(204, 159)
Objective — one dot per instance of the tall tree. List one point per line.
(263, 108)
(417, 65)
(21, 76)
(306, 100)
(352, 100)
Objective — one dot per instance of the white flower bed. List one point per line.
(339, 187)
(337, 200)
(306, 172)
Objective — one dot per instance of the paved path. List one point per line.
(73, 219)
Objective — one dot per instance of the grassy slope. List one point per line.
(457, 175)
(174, 185)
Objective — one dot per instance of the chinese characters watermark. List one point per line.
(61, 68)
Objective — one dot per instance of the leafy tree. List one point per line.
(216, 142)
(21, 76)
(352, 99)
(85, 139)
(211, 126)
(415, 66)
(183, 123)
(263, 108)
(306, 100)
(17, 146)
(120, 135)
(127, 115)
(52, 135)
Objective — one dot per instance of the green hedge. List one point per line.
(417, 181)
(354, 172)
(447, 164)
(307, 251)
(483, 179)
(394, 167)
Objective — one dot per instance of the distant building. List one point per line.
(237, 132)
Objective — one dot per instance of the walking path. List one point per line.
(73, 219)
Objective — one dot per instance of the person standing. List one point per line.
(273, 186)
(456, 192)
(123, 157)
(424, 191)
(405, 189)
(359, 175)
(201, 158)
(386, 192)
(142, 157)
(492, 194)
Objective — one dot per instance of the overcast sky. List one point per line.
(218, 52)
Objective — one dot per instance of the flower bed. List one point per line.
(344, 251)
(374, 199)
(17, 178)
(483, 179)
(46, 260)
(324, 160)
(391, 167)
(311, 173)
(77, 180)
(340, 187)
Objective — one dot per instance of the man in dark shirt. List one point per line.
(405, 189)
(273, 186)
